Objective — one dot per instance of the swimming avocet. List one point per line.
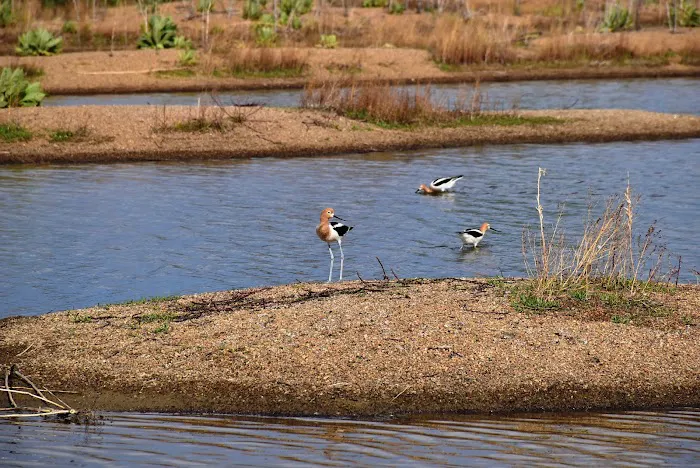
(473, 236)
(332, 231)
(440, 185)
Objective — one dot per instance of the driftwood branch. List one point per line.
(33, 391)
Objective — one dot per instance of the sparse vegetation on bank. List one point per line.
(392, 107)
(610, 271)
(12, 132)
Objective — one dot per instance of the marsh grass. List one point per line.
(608, 269)
(394, 107)
(12, 132)
(202, 118)
(263, 62)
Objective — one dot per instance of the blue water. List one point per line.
(75, 236)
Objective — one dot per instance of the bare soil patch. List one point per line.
(135, 133)
(358, 348)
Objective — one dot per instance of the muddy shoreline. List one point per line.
(372, 348)
(154, 133)
(213, 85)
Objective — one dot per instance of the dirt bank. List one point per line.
(131, 133)
(148, 71)
(363, 348)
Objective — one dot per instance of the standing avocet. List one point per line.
(332, 231)
(473, 236)
(441, 185)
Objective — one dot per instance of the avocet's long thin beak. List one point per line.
(495, 230)
(419, 190)
(338, 217)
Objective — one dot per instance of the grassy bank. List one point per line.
(138, 133)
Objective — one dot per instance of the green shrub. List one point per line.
(188, 58)
(329, 41)
(397, 8)
(160, 34)
(6, 15)
(688, 15)
(69, 27)
(265, 35)
(182, 42)
(617, 18)
(252, 9)
(39, 42)
(16, 91)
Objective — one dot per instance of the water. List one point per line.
(675, 95)
(75, 236)
(622, 439)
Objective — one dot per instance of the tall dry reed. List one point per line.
(609, 252)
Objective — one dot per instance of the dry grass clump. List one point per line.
(584, 47)
(203, 118)
(457, 42)
(609, 253)
(390, 106)
(265, 62)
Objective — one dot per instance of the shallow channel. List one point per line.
(591, 439)
(673, 95)
(76, 236)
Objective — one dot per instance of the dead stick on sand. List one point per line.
(7, 387)
(33, 415)
(20, 392)
(400, 393)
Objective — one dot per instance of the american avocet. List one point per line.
(441, 185)
(473, 236)
(330, 231)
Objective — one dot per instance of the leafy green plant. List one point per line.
(374, 3)
(69, 27)
(39, 42)
(182, 42)
(16, 91)
(265, 35)
(397, 8)
(159, 34)
(252, 9)
(11, 132)
(617, 18)
(187, 58)
(293, 10)
(688, 15)
(7, 17)
(329, 41)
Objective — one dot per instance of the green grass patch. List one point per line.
(12, 132)
(621, 319)
(475, 120)
(449, 67)
(179, 73)
(146, 300)
(528, 301)
(256, 73)
(64, 136)
(77, 318)
(162, 328)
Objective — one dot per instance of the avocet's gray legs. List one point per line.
(342, 257)
(330, 273)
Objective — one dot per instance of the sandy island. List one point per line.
(155, 133)
(363, 349)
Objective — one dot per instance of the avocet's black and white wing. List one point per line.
(444, 183)
(340, 228)
(475, 233)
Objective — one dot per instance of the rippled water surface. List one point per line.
(75, 236)
(622, 439)
(674, 95)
